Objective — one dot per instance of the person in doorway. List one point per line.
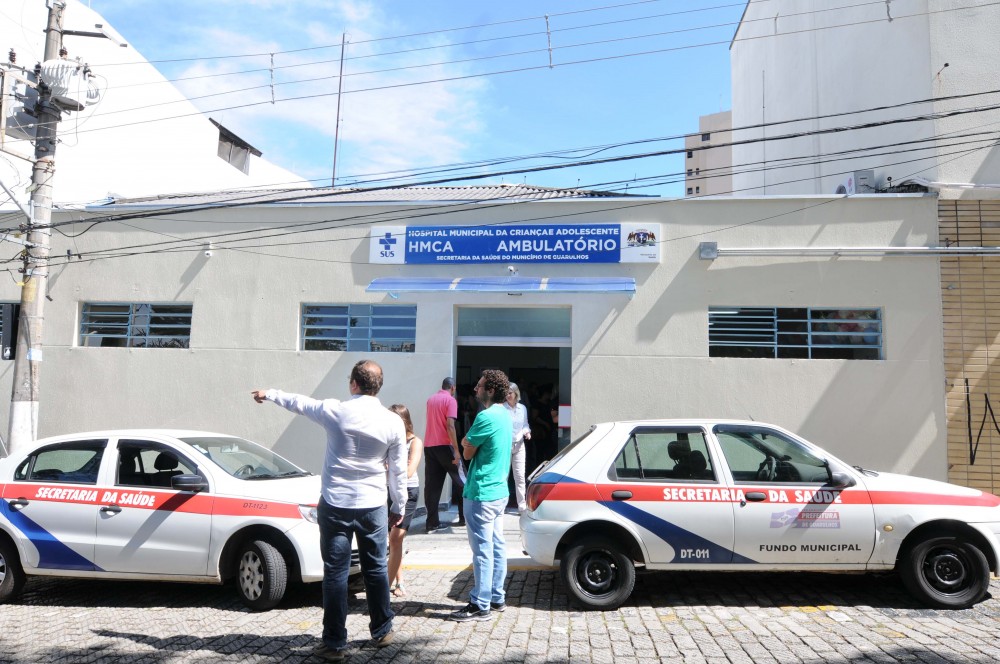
(545, 428)
(363, 438)
(441, 455)
(521, 434)
(414, 450)
(487, 448)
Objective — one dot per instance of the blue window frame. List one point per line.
(795, 332)
(136, 325)
(379, 328)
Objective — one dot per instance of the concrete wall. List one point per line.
(791, 61)
(641, 357)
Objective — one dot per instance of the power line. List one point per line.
(250, 200)
(449, 45)
(363, 220)
(384, 182)
(427, 33)
(511, 70)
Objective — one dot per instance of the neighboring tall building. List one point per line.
(796, 60)
(709, 158)
(143, 138)
(798, 68)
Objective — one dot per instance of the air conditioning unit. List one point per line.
(858, 182)
(864, 182)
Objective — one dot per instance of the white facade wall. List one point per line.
(791, 61)
(645, 356)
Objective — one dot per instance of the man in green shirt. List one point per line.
(487, 448)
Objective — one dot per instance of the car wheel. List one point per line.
(262, 575)
(12, 576)
(945, 572)
(597, 574)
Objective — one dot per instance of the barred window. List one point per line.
(791, 332)
(389, 328)
(136, 325)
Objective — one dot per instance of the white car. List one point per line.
(163, 505)
(745, 496)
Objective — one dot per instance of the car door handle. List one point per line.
(18, 503)
(756, 496)
(621, 495)
(111, 509)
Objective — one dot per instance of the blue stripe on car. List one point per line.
(678, 538)
(555, 478)
(52, 554)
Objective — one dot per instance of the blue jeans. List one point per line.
(484, 523)
(336, 528)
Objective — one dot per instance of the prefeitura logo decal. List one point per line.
(795, 518)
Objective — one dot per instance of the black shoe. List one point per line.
(431, 529)
(499, 607)
(459, 524)
(470, 612)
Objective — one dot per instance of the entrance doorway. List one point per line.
(534, 348)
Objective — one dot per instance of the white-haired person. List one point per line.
(521, 434)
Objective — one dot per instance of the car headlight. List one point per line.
(309, 513)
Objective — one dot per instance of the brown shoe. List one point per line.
(328, 654)
(385, 639)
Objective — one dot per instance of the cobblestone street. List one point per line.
(671, 617)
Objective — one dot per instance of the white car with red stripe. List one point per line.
(157, 504)
(734, 495)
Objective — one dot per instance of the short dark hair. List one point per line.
(496, 380)
(448, 383)
(367, 374)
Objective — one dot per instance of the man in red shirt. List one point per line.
(441, 452)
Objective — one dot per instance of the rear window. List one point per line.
(72, 463)
(664, 454)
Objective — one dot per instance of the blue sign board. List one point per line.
(515, 243)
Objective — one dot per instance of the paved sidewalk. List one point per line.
(448, 548)
(695, 618)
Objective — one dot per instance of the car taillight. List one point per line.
(537, 492)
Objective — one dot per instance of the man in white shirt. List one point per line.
(362, 436)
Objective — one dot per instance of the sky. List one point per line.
(437, 83)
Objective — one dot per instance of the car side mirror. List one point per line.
(188, 483)
(838, 480)
(841, 480)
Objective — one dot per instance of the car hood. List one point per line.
(301, 490)
(907, 484)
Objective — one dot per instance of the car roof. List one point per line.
(687, 422)
(128, 433)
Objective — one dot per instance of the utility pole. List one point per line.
(28, 356)
(336, 129)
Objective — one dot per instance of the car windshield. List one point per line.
(243, 459)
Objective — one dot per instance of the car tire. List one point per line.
(597, 574)
(261, 575)
(12, 575)
(946, 572)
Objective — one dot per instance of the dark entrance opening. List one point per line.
(536, 370)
